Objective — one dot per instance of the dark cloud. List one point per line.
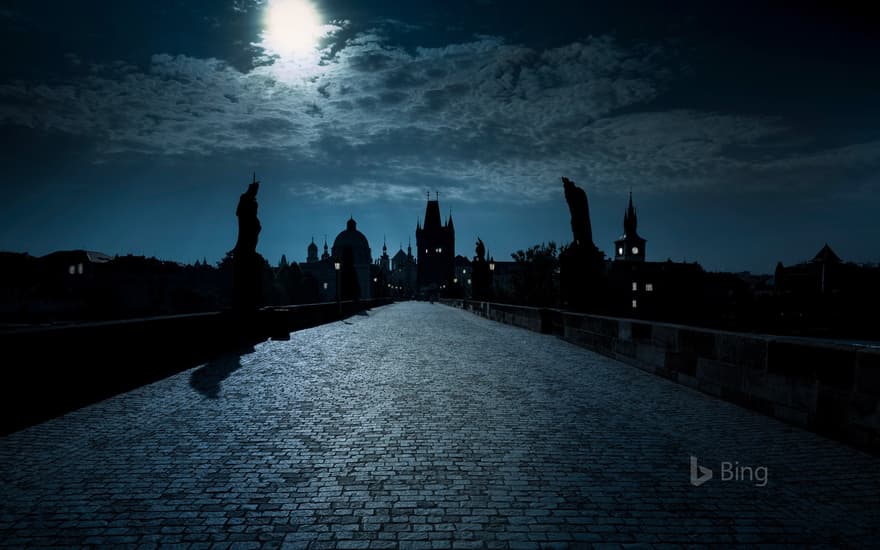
(482, 114)
(369, 62)
(402, 78)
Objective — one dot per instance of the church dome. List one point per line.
(353, 238)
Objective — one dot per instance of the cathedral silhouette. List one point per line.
(427, 274)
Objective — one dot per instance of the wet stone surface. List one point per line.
(422, 426)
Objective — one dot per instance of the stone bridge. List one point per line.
(418, 425)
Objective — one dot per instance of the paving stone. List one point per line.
(421, 426)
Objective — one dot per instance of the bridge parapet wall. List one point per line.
(830, 388)
(52, 370)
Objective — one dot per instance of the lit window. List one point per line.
(635, 304)
(635, 286)
(79, 268)
(620, 251)
(426, 251)
(649, 287)
(325, 286)
(469, 281)
(72, 270)
(464, 271)
(635, 250)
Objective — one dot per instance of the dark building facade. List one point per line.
(352, 249)
(827, 296)
(667, 290)
(356, 276)
(404, 274)
(436, 250)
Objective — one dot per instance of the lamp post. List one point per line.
(337, 266)
(491, 277)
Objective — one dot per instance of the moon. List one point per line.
(292, 26)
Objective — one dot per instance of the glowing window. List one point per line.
(620, 251)
(635, 304)
(649, 287)
(635, 250)
(72, 270)
(635, 285)
(325, 286)
(79, 268)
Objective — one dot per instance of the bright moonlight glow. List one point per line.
(292, 26)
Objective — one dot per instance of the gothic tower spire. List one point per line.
(630, 246)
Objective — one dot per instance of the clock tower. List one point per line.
(630, 247)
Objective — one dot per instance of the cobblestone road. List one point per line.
(422, 426)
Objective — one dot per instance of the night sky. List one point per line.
(748, 133)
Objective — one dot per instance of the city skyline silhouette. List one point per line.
(741, 149)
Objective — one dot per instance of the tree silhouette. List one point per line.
(535, 281)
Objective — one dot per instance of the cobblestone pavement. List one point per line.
(422, 426)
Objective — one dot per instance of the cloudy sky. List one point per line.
(748, 133)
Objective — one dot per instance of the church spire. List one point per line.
(312, 251)
(326, 254)
(630, 220)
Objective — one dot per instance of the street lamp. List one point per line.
(491, 277)
(337, 266)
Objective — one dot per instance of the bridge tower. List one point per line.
(436, 249)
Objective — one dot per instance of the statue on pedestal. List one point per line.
(579, 208)
(247, 277)
(480, 276)
(581, 264)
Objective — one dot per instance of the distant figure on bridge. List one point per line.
(247, 283)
